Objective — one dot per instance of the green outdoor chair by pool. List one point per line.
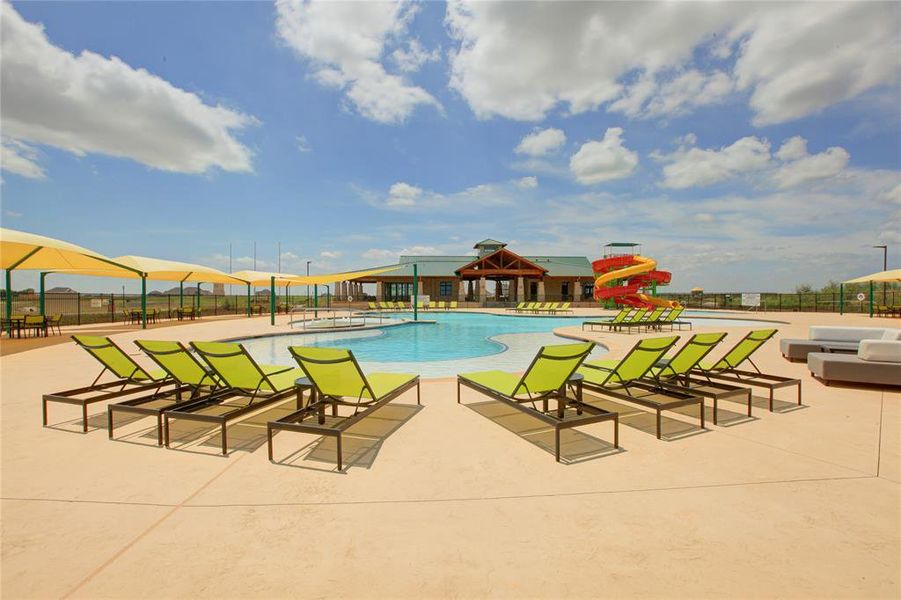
(518, 307)
(384, 306)
(676, 372)
(547, 377)
(623, 379)
(338, 380)
(419, 305)
(727, 368)
(440, 305)
(372, 306)
(550, 307)
(648, 320)
(177, 362)
(672, 319)
(635, 317)
(565, 307)
(130, 378)
(607, 321)
(453, 305)
(251, 386)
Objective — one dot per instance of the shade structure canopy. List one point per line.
(156, 269)
(346, 276)
(22, 250)
(264, 277)
(892, 275)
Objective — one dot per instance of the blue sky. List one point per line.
(747, 146)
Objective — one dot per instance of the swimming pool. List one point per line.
(456, 342)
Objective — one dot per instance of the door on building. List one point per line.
(398, 291)
(564, 291)
(533, 290)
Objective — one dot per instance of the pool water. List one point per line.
(456, 342)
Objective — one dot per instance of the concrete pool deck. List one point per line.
(450, 500)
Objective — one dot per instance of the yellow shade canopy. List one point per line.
(22, 250)
(892, 275)
(156, 269)
(346, 276)
(265, 277)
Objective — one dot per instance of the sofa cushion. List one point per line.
(892, 334)
(846, 334)
(880, 350)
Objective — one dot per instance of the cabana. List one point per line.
(21, 250)
(155, 269)
(890, 276)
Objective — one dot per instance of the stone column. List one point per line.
(483, 290)
(540, 290)
(520, 289)
(577, 290)
(461, 290)
(379, 291)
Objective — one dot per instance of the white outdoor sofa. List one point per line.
(835, 339)
(877, 362)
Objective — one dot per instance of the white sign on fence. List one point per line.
(861, 296)
(750, 300)
(96, 302)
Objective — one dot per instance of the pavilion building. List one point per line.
(494, 274)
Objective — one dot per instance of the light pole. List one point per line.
(308, 285)
(884, 268)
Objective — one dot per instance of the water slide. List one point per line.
(638, 271)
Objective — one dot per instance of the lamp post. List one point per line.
(308, 285)
(884, 268)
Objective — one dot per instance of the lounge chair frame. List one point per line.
(556, 419)
(318, 401)
(623, 391)
(126, 387)
(187, 410)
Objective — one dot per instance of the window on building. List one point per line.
(587, 290)
(445, 289)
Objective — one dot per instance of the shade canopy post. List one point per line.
(198, 296)
(841, 298)
(272, 301)
(143, 301)
(871, 298)
(415, 292)
(181, 294)
(42, 292)
(9, 304)
(248, 300)
(315, 300)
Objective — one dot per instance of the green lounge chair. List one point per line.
(518, 307)
(453, 305)
(130, 378)
(547, 377)
(550, 308)
(419, 305)
(565, 307)
(648, 320)
(676, 372)
(635, 317)
(672, 319)
(384, 306)
(605, 322)
(336, 376)
(177, 362)
(259, 385)
(623, 379)
(727, 368)
(440, 305)
(372, 306)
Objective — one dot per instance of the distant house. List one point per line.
(61, 290)
(190, 290)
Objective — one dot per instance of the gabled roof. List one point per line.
(501, 262)
(447, 266)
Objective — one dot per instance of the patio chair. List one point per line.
(419, 305)
(672, 319)
(35, 323)
(384, 306)
(618, 318)
(518, 307)
(648, 320)
(727, 368)
(54, 322)
(372, 306)
(337, 380)
(453, 305)
(130, 378)
(623, 379)
(676, 372)
(260, 385)
(565, 307)
(183, 368)
(440, 305)
(548, 375)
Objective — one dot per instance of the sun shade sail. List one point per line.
(893, 275)
(156, 269)
(347, 276)
(264, 277)
(21, 250)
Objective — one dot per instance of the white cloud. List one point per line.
(698, 167)
(793, 58)
(603, 160)
(379, 254)
(792, 149)
(90, 103)
(403, 194)
(892, 195)
(20, 159)
(810, 168)
(412, 58)
(11, 214)
(527, 182)
(330, 254)
(344, 42)
(541, 142)
(302, 144)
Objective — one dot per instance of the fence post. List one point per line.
(78, 306)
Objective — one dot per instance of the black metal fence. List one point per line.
(797, 302)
